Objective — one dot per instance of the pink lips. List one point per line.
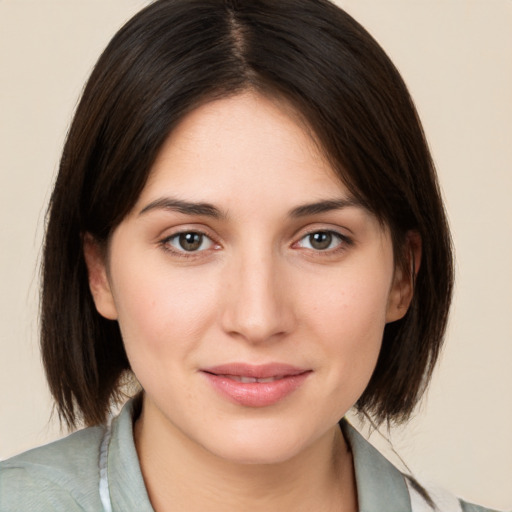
(255, 385)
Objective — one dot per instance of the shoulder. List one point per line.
(439, 499)
(63, 475)
(382, 486)
(468, 507)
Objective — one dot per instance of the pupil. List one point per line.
(321, 240)
(190, 241)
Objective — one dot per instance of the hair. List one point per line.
(175, 55)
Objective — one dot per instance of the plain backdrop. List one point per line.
(456, 57)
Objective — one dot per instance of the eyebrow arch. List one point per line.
(185, 207)
(323, 206)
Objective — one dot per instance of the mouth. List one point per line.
(249, 380)
(256, 385)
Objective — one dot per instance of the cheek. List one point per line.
(348, 319)
(161, 312)
(353, 304)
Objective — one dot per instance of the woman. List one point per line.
(247, 222)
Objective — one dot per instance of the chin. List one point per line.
(258, 444)
(257, 454)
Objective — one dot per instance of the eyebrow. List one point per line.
(324, 206)
(209, 210)
(185, 207)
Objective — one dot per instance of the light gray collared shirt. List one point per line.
(67, 475)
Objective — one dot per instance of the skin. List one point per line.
(257, 289)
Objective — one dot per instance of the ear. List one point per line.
(402, 289)
(95, 260)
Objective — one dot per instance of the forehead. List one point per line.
(244, 145)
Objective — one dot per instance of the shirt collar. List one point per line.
(126, 484)
(380, 486)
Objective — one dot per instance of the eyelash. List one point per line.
(343, 242)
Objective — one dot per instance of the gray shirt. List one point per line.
(97, 469)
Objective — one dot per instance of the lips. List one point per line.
(255, 385)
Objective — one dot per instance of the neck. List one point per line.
(181, 475)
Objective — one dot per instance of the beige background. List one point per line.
(456, 56)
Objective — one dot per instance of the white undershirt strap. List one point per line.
(104, 488)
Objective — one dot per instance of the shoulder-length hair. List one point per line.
(177, 54)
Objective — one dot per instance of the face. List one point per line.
(251, 289)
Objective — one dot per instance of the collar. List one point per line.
(126, 485)
(380, 485)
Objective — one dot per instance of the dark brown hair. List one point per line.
(167, 60)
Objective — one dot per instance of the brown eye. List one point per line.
(324, 241)
(321, 240)
(189, 241)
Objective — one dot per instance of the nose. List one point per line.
(259, 305)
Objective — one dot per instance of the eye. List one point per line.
(322, 240)
(189, 241)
